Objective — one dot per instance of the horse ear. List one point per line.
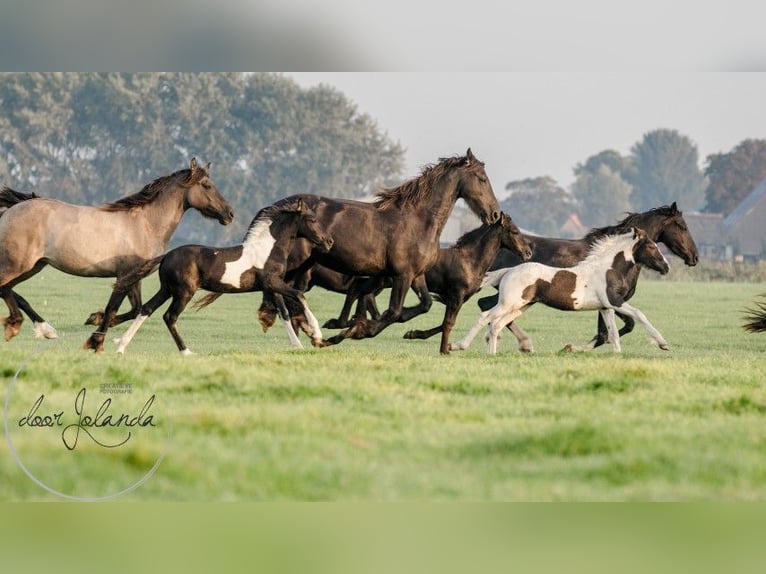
(207, 167)
(469, 157)
(674, 208)
(300, 206)
(193, 165)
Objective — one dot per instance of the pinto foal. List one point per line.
(596, 283)
(258, 264)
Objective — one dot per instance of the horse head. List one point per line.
(308, 225)
(646, 252)
(511, 238)
(475, 188)
(203, 195)
(675, 234)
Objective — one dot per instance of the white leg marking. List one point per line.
(636, 313)
(45, 330)
(613, 334)
(125, 340)
(186, 352)
(465, 342)
(316, 330)
(294, 340)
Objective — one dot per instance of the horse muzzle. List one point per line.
(326, 245)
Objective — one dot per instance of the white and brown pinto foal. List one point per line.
(258, 264)
(596, 283)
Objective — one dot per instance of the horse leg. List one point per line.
(15, 318)
(177, 306)
(426, 334)
(363, 328)
(284, 316)
(342, 321)
(465, 342)
(613, 335)
(450, 316)
(425, 301)
(96, 340)
(42, 328)
(524, 340)
(636, 314)
(497, 323)
(134, 296)
(144, 313)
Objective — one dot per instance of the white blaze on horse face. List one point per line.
(255, 251)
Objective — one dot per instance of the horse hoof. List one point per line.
(568, 348)
(334, 340)
(95, 318)
(664, 346)
(334, 324)
(45, 331)
(319, 343)
(12, 328)
(410, 335)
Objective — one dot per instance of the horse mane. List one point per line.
(270, 212)
(607, 244)
(631, 220)
(469, 237)
(151, 191)
(415, 190)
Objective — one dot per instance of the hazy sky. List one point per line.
(532, 124)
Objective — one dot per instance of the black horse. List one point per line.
(459, 272)
(397, 236)
(258, 264)
(664, 224)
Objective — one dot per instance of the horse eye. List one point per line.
(206, 185)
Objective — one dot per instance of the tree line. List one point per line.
(92, 138)
(661, 168)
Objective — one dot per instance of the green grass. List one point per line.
(248, 418)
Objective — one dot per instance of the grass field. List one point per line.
(247, 418)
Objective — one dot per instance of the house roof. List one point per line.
(705, 228)
(745, 205)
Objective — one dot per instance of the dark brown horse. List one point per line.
(258, 264)
(398, 235)
(664, 224)
(598, 282)
(460, 269)
(100, 241)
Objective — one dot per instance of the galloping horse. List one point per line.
(664, 224)
(597, 282)
(258, 264)
(100, 241)
(460, 269)
(398, 235)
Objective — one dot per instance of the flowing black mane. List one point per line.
(151, 191)
(631, 220)
(414, 191)
(271, 212)
(469, 237)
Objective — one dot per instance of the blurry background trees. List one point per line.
(733, 175)
(91, 138)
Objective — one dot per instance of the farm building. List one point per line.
(740, 235)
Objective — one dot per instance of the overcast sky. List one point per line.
(533, 124)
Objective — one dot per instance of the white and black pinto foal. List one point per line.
(258, 264)
(596, 283)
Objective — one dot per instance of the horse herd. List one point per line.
(351, 247)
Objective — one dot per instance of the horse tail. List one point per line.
(493, 278)
(206, 300)
(127, 281)
(10, 197)
(756, 319)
